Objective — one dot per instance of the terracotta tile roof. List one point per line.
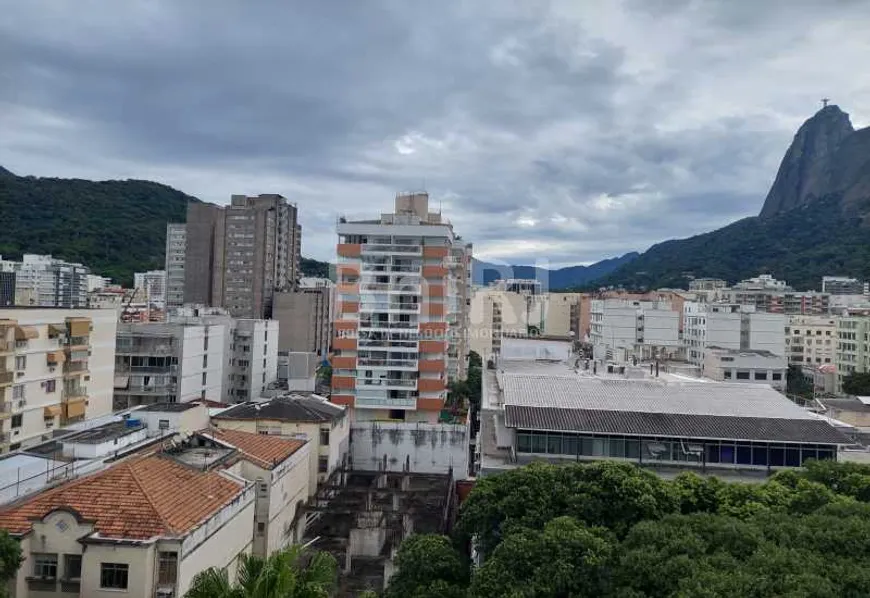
(264, 450)
(136, 499)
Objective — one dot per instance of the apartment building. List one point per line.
(811, 340)
(458, 300)
(562, 315)
(324, 425)
(495, 313)
(45, 281)
(153, 286)
(197, 354)
(95, 282)
(237, 256)
(394, 313)
(254, 358)
(305, 315)
(176, 246)
(853, 347)
(843, 285)
(623, 329)
(745, 366)
(730, 326)
(7, 289)
(56, 368)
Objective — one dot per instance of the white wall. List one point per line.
(191, 368)
(431, 448)
(767, 332)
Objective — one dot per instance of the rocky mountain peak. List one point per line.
(804, 173)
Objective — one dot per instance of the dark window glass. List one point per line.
(744, 455)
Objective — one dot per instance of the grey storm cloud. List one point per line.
(561, 130)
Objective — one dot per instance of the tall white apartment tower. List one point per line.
(176, 244)
(401, 312)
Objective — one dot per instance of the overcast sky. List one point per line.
(563, 131)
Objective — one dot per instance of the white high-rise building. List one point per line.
(152, 285)
(401, 312)
(624, 328)
(56, 368)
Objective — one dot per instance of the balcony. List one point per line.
(75, 391)
(6, 377)
(348, 307)
(378, 324)
(433, 346)
(150, 389)
(383, 248)
(76, 343)
(344, 344)
(384, 403)
(405, 383)
(345, 325)
(368, 343)
(347, 288)
(386, 363)
(75, 368)
(394, 307)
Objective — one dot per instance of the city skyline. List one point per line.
(572, 131)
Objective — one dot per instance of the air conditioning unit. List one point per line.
(164, 593)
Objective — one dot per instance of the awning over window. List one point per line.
(76, 407)
(79, 326)
(54, 357)
(51, 411)
(122, 382)
(26, 333)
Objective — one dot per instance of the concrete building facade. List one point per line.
(395, 313)
(45, 281)
(305, 316)
(811, 340)
(176, 245)
(745, 366)
(153, 285)
(623, 328)
(56, 368)
(237, 256)
(853, 347)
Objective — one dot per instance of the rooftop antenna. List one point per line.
(825, 102)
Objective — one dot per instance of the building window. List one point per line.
(114, 575)
(743, 375)
(72, 566)
(167, 568)
(20, 362)
(163, 424)
(322, 464)
(204, 361)
(776, 376)
(44, 565)
(17, 420)
(18, 392)
(761, 375)
(50, 386)
(324, 437)
(261, 528)
(204, 378)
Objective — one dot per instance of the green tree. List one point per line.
(564, 559)
(798, 384)
(474, 359)
(10, 559)
(857, 383)
(428, 566)
(324, 374)
(290, 573)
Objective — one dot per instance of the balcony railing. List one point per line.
(380, 403)
(385, 344)
(376, 248)
(388, 363)
(388, 325)
(402, 307)
(386, 382)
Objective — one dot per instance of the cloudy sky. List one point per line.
(546, 130)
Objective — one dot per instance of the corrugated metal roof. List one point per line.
(648, 396)
(723, 427)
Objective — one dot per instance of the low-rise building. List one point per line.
(623, 329)
(537, 410)
(143, 527)
(730, 326)
(325, 425)
(811, 340)
(746, 366)
(56, 368)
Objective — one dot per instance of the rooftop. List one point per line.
(263, 450)
(746, 352)
(137, 499)
(289, 408)
(846, 404)
(169, 407)
(104, 433)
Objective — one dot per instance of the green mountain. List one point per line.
(114, 227)
(814, 221)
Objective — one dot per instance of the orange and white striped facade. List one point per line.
(401, 318)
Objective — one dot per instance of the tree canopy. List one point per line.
(617, 531)
(10, 559)
(857, 383)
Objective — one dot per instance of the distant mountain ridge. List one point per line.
(814, 221)
(554, 280)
